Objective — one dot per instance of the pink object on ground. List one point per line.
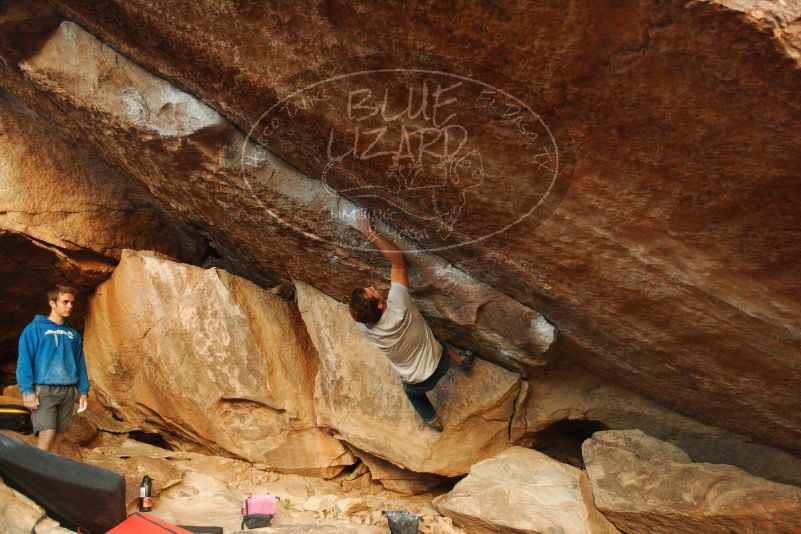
(261, 504)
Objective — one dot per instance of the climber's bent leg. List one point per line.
(417, 392)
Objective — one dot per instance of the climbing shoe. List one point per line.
(436, 424)
(467, 361)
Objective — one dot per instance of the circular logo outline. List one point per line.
(556, 174)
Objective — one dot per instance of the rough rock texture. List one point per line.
(55, 191)
(133, 461)
(779, 16)
(359, 396)
(211, 490)
(76, 214)
(522, 491)
(206, 357)
(672, 262)
(192, 158)
(395, 479)
(572, 394)
(18, 514)
(644, 485)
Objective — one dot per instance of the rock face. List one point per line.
(65, 216)
(196, 150)
(397, 479)
(572, 394)
(524, 492)
(208, 358)
(133, 467)
(644, 485)
(198, 489)
(57, 192)
(359, 395)
(671, 264)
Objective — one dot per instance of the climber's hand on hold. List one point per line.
(363, 221)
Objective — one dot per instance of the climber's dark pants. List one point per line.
(417, 392)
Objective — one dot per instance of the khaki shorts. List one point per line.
(55, 408)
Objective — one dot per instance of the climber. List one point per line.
(50, 367)
(392, 322)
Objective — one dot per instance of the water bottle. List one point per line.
(146, 494)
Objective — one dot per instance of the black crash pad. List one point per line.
(74, 494)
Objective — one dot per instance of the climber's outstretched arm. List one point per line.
(364, 223)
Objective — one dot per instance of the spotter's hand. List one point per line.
(31, 401)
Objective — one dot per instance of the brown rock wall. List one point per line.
(359, 396)
(644, 485)
(210, 361)
(671, 265)
(65, 216)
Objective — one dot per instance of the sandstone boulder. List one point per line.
(571, 394)
(200, 499)
(140, 122)
(358, 478)
(397, 479)
(359, 396)
(18, 514)
(11, 395)
(133, 461)
(672, 260)
(644, 485)
(208, 358)
(673, 255)
(320, 502)
(525, 492)
(351, 505)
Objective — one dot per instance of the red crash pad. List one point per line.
(146, 524)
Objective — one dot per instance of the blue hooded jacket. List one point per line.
(51, 354)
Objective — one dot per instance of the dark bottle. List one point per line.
(146, 494)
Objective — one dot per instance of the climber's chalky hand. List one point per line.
(363, 221)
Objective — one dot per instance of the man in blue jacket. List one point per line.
(50, 367)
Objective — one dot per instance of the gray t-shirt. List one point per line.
(404, 337)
